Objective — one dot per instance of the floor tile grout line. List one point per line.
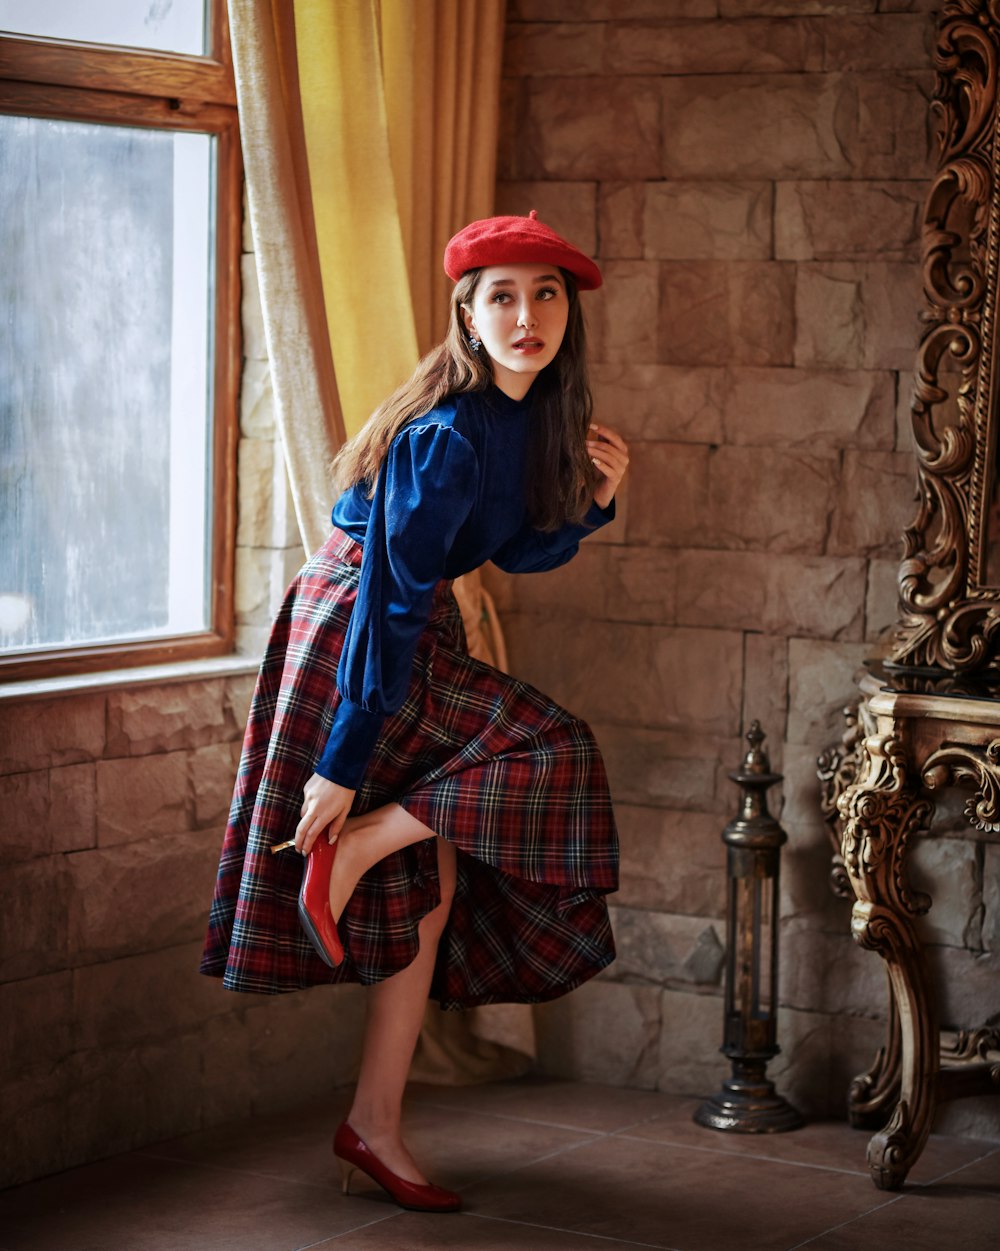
(624, 1133)
(968, 1164)
(645, 1120)
(527, 1120)
(379, 1220)
(747, 1155)
(854, 1220)
(578, 1233)
(538, 1159)
(421, 1101)
(241, 1172)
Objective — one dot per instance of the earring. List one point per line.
(474, 343)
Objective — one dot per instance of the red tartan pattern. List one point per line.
(488, 762)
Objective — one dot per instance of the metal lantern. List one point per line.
(748, 1102)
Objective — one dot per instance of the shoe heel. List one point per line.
(346, 1173)
(314, 903)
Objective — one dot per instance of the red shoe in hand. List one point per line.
(314, 902)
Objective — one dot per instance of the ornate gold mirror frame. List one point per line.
(929, 719)
(949, 578)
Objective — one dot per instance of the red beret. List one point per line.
(511, 240)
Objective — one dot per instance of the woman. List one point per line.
(456, 823)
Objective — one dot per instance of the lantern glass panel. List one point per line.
(765, 947)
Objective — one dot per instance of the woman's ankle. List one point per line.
(384, 1139)
(375, 1129)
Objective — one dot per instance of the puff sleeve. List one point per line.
(533, 551)
(425, 491)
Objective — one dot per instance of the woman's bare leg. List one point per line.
(395, 1013)
(366, 840)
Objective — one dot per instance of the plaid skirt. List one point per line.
(488, 762)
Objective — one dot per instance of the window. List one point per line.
(120, 230)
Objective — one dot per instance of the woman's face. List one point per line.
(519, 314)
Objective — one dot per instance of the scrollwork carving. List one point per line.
(837, 768)
(947, 619)
(874, 1093)
(880, 813)
(890, 1152)
(972, 1045)
(978, 765)
(971, 1062)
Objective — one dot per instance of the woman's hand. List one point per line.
(609, 452)
(325, 805)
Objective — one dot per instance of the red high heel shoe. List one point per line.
(314, 902)
(353, 1153)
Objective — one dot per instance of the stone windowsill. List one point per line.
(121, 679)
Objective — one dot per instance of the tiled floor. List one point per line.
(542, 1166)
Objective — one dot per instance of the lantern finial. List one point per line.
(756, 761)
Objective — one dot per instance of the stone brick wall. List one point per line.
(749, 174)
(113, 804)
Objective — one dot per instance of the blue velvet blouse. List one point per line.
(449, 497)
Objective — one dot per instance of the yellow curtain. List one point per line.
(369, 130)
(400, 102)
(359, 235)
(442, 84)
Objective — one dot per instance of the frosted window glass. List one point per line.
(105, 382)
(166, 25)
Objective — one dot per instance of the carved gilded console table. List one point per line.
(910, 738)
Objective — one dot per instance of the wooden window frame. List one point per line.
(57, 79)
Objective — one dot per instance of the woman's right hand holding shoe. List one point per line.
(324, 807)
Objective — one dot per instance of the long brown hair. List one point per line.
(560, 476)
